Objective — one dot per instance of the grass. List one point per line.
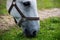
(46, 4)
(49, 30)
(3, 7)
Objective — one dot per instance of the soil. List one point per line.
(43, 14)
(6, 21)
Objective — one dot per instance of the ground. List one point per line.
(43, 14)
(7, 20)
(49, 27)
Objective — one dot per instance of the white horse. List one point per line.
(29, 9)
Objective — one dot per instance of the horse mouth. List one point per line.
(28, 34)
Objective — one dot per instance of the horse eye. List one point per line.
(26, 3)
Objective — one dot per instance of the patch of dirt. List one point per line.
(43, 14)
(6, 22)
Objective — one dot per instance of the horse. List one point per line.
(25, 15)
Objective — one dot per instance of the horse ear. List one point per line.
(26, 3)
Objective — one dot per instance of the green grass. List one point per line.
(46, 4)
(49, 30)
(3, 7)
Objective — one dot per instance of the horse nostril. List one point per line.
(26, 3)
(26, 31)
(28, 34)
(34, 33)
